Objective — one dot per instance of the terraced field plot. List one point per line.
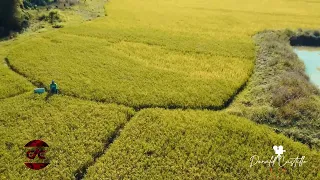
(11, 84)
(75, 131)
(168, 54)
(165, 144)
(123, 74)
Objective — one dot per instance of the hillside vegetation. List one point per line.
(175, 144)
(11, 17)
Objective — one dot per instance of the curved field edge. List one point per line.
(279, 92)
(76, 131)
(173, 36)
(128, 73)
(11, 84)
(176, 144)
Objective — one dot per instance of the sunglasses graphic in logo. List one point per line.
(36, 150)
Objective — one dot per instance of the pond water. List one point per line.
(311, 58)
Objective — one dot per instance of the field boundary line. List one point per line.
(82, 171)
(15, 70)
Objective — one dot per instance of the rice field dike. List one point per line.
(279, 92)
(163, 90)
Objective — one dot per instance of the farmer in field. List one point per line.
(53, 88)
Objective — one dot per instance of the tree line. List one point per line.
(12, 16)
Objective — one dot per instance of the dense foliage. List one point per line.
(33, 3)
(76, 131)
(11, 17)
(175, 144)
(52, 17)
(305, 38)
(279, 92)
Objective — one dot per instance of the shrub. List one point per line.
(42, 17)
(52, 17)
(297, 109)
(316, 33)
(288, 32)
(291, 86)
(32, 3)
(58, 26)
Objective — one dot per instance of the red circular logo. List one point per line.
(36, 151)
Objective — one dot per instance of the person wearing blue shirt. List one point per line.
(53, 88)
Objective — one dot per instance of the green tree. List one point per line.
(31, 3)
(11, 17)
(8, 18)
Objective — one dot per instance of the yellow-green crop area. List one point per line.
(10, 83)
(175, 144)
(188, 54)
(75, 131)
(159, 53)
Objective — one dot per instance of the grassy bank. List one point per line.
(279, 92)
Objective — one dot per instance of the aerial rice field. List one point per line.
(166, 54)
(121, 73)
(146, 54)
(11, 84)
(75, 131)
(175, 144)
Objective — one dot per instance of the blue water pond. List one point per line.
(311, 58)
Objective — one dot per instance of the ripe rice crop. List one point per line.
(175, 144)
(75, 131)
(181, 53)
(11, 84)
(133, 74)
(168, 53)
